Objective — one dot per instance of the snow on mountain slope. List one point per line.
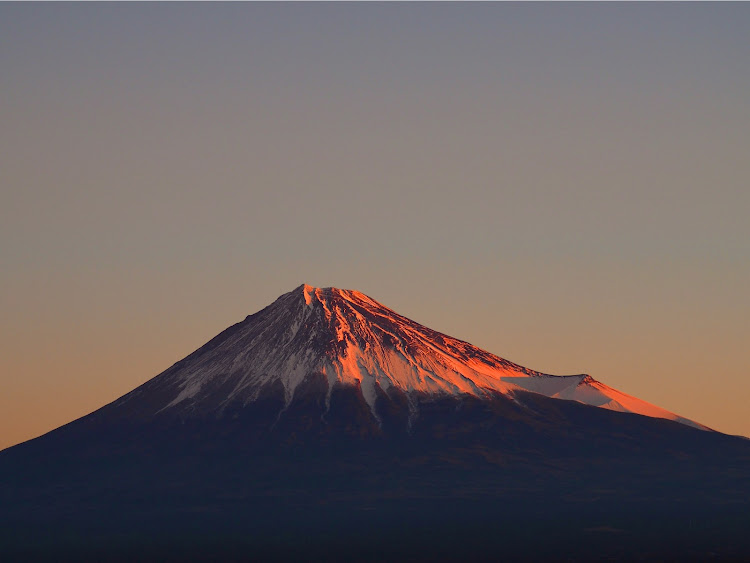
(352, 339)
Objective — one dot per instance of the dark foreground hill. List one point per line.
(336, 471)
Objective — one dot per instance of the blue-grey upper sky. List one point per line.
(565, 185)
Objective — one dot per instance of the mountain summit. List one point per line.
(350, 339)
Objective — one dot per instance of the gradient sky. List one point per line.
(565, 185)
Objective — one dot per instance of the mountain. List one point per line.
(349, 339)
(327, 426)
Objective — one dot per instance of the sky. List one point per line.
(564, 185)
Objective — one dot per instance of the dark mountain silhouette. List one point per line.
(327, 426)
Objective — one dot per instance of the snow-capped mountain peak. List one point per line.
(353, 340)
